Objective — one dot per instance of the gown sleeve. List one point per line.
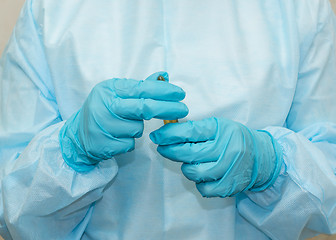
(41, 197)
(302, 201)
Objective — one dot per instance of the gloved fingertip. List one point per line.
(205, 189)
(138, 134)
(180, 94)
(163, 150)
(153, 137)
(181, 112)
(130, 146)
(200, 188)
(186, 110)
(188, 172)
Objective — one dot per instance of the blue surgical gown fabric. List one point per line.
(270, 65)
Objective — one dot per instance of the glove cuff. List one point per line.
(276, 160)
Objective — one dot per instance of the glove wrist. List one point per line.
(268, 160)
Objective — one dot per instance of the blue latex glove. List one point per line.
(112, 116)
(223, 157)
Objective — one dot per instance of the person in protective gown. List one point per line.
(83, 149)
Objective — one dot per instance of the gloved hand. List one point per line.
(112, 116)
(223, 157)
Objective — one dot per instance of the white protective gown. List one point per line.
(267, 64)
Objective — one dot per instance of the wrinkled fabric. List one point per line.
(269, 65)
(223, 157)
